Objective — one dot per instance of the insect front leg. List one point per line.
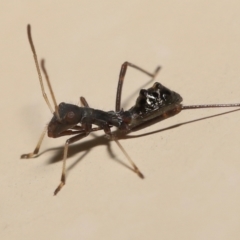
(121, 79)
(36, 150)
(69, 141)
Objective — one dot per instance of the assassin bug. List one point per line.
(152, 105)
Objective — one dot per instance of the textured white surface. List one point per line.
(191, 189)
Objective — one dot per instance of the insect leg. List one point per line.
(121, 79)
(36, 150)
(69, 141)
(84, 102)
(111, 136)
(135, 168)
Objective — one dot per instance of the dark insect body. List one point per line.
(153, 104)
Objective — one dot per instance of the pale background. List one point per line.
(192, 184)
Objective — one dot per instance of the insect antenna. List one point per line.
(40, 76)
(50, 87)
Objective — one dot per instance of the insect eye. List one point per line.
(70, 115)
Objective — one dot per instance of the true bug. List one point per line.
(152, 105)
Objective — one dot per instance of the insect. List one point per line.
(152, 105)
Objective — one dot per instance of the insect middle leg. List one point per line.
(111, 136)
(84, 102)
(121, 79)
